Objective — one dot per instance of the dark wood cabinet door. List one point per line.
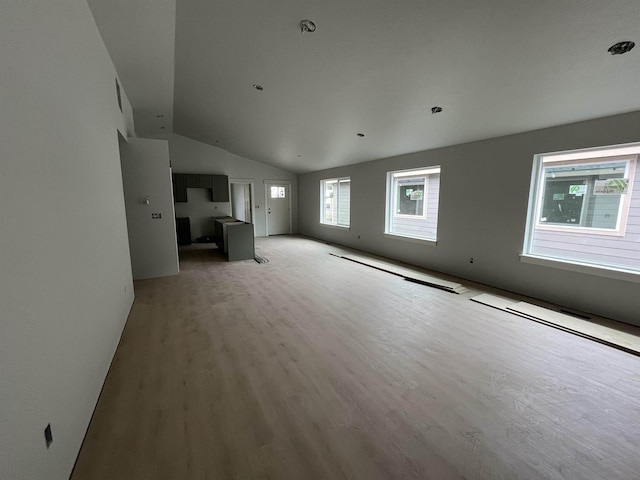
(179, 187)
(205, 181)
(220, 188)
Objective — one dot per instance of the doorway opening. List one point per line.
(241, 194)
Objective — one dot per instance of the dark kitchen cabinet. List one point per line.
(218, 184)
(179, 181)
(220, 188)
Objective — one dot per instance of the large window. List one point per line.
(335, 199)
(584, 208)
(412, 203)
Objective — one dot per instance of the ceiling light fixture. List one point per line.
(621, 47)
(435, 110)
(258, 87)
(307, 26)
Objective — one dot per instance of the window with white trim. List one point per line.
(335, 201)
(584, 208)
(412, 203)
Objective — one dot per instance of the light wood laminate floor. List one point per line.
(312, 367)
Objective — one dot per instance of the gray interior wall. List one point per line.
(66, 286)
(483, 208)
(201, 211)
(146, 174)
(191, 156)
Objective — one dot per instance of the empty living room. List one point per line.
(319, 240)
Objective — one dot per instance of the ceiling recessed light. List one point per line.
(436, 110)
(621, 47)
(307, 26)
(258, 87)
(360, 134)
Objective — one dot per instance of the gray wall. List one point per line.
(146, 173)
(65, 283)
(201, 210)
(483, 208)
(191, 156)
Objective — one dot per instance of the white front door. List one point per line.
(278, 209)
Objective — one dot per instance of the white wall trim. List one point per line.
(423, 241)
(601, 271)
(339, 227)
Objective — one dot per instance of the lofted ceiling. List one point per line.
(375, 67)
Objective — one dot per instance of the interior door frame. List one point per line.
(267, 185)
(250, 182)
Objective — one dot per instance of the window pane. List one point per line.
(281, 192)
(410, 196)
(335, 201)
(560, 204)
(344, 195)
(571, 197)
(274, 192)
(330, 201)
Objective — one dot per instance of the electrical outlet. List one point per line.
(48, 436)
(470, 259)
(156, 215)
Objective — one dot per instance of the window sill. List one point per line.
(574, 266)
(581, 230)
(339, 227)
(422, 241)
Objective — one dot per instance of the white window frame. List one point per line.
(391, 205)
(323, 220)
(396, 195)
(629, 152)
(557, 160)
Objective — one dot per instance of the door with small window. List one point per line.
(278, 209)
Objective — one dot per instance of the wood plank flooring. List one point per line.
(311, 367)
(614, 334)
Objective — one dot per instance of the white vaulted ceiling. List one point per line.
(372, 66)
